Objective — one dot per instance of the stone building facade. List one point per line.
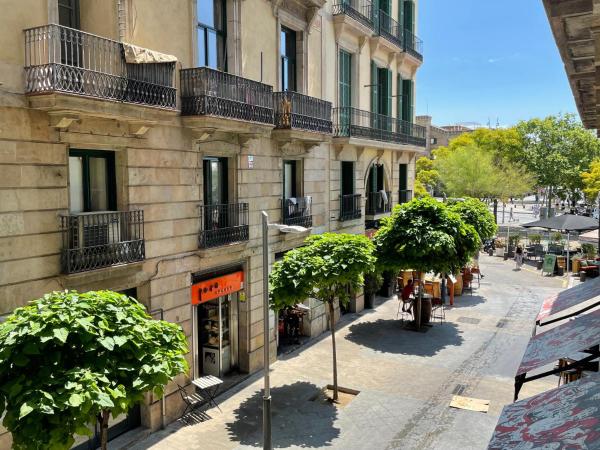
(439, 136)
(140, 139)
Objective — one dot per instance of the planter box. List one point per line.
(500, 252)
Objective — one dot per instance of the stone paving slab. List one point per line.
(406, 379)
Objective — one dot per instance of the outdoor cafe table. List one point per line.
(567, 299)
(565, 417)
(579, 335)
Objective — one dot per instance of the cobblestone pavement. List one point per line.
(406, 379)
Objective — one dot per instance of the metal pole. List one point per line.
(568, 251)
(267, 387)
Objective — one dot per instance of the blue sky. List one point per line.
(489, 59)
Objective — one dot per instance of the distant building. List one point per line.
(440, 136)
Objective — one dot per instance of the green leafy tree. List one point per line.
(427, 178)
(591, 180)
(476, 213)
(556, 150)
(327, 268)
(68, 360)
(426, 236)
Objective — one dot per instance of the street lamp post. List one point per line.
(267, 442)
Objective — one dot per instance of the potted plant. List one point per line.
(513, 241)
(535, 239)
(500, 244)
(373, 282)
(588, 250)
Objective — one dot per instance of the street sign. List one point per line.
(549, 263)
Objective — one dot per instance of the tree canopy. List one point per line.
(329, 267)
(591, 181)
(425, 235)
(474, 212)
(470, 171)
(427, 177)
(70, 358)
(556, 150)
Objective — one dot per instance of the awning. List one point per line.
(566, 222)
(592, 235)
(140, 55)
(566, 417)
(579, 335)
(570, 298)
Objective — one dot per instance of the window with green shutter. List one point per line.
(409, 15)
(374, 88)
(345, 79)
(407, 101)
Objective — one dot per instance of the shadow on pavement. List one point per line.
(466, 300)
(389, 336)
(296, 419)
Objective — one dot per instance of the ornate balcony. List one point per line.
(354, 123)
(297, 211)
(294, 111)
(350, 207)
(413, 45)
(389, 29)
(405, 196)
(59, 60)
(378, 204)
(223, 225)
(210, 92)
(356, 16)
(101, 239)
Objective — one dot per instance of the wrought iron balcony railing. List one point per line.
(101, 239)
(296, 111)
(405, 196)
(390, 29)
(62, 59)
(350, 207)
(206, 91)
(377, 203)
(359, 10)
(413, 45)
(223, 224)
(352, 122)
(297, 211)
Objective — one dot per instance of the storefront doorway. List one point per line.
(215, 312)
(218, 335)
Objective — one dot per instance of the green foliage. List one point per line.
(556, 150)
(427, 177)
(420, 190)
(556, 236)
(68, 356)
(591, 180)
(535, 238)
(471, 171)
(476, 213)
(326, 268)
(513, 240)
(589, 250)
(425, 235)
(373, 282)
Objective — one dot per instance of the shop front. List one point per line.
(215, 323)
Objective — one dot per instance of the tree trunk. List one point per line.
(419, 302)
(332, 325)
(104, 429)
(496, 210)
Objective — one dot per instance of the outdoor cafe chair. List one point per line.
(438, 310)
(192, 401)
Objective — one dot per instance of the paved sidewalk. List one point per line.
(405, 379)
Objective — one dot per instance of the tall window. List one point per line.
(290, 179)
(408, 15)
(288, 59)
(211, 33)
(347, 172)
(407, 101)
(215, 181)
(345, 79)
(68, 13)
(92, 181)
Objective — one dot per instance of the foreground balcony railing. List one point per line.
(390, 29)
(377, 203)
(62, 59)
(413, 45)
(223, 224)
(95, 240)
(405, 196)
(352, 122)
(350, 207)
(206, 91)
(296, 111)
(297, 211)
(359, 10)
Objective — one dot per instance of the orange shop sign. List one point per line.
(217, 287)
